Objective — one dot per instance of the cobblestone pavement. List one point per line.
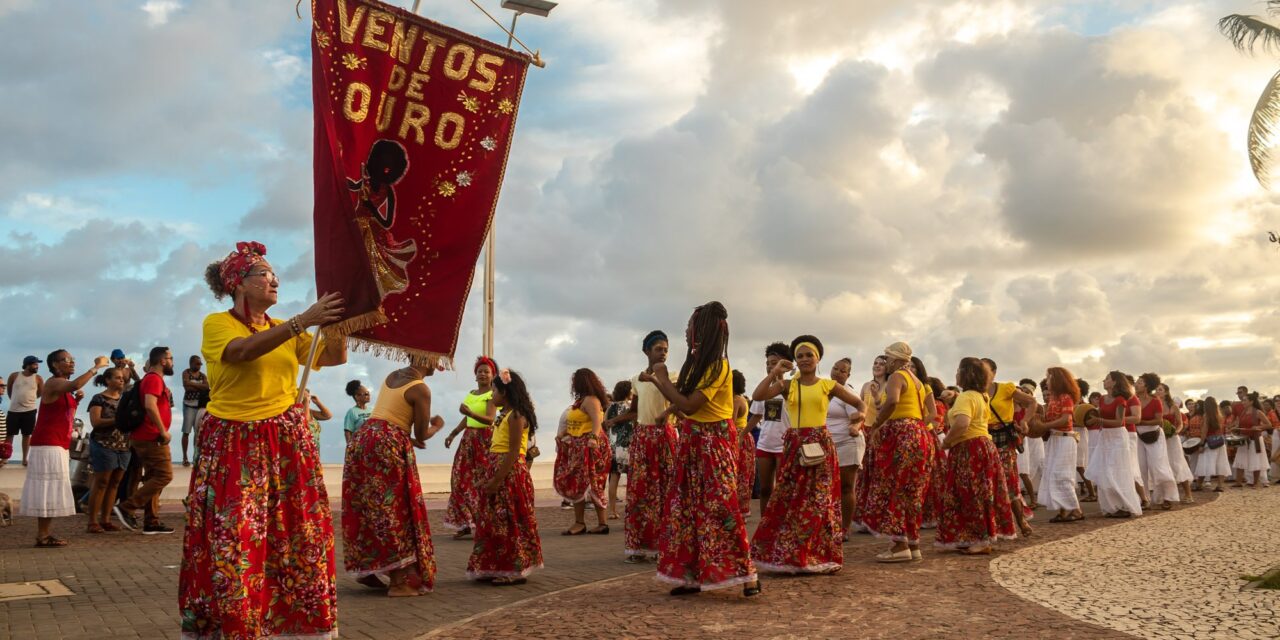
(125, 586)
(1175, 575)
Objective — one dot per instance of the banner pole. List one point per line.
(487, 346)
(306, 369)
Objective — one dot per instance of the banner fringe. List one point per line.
(354, 324)
(415, 357)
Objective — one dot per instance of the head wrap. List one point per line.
(816, 351)
(238, 263)
(486, 360)
(898, 351)
(654, 337)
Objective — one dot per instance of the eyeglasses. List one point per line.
(268, 274)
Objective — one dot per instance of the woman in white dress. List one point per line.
(1212, 463)
(1110, 468)
(1031, 458)
(1153, 453)
(1252, 462)
(844, 422)
(1058, 478)
(1173, 443)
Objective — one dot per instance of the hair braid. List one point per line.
(708, 347)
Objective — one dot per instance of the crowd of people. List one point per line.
(826, 459)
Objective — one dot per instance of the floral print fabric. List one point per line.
(705, 544)
(746, 469)
(903, 463)
(384, 516)
(653, 459)
(975, 509)
(506, 534)
(800, 530)
(582, 468)
(258, 550)
(464, 492)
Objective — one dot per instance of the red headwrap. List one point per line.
(238, 263)
(486, 360)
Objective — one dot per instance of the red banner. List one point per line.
(413, 123)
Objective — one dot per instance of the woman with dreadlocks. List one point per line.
(705, 543)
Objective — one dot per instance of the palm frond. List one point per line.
(1245, 31)
(1263, 129)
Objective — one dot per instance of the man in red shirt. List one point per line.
(150, 442)
(1238, 406)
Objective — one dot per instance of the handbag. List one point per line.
(1005, 436)
(811, 453)
(1149, 437)
(1215, 442)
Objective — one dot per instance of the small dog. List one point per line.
(6, 510)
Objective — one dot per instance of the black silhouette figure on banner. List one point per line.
(376, 200)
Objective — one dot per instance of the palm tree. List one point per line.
(1250, 34)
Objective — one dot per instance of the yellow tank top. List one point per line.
(579, 422)
(502, 437)
(478, 404)
(807, 403)
(392, 405)
(909, 402)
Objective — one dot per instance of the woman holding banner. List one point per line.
(258, 555)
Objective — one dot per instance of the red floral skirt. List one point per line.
(746, 469)
(862, 492)
(464, 491)
(975, 509)
(384, 516)
(257, 554)
(800, 530)
(902, 467)
(1009, 460)
(705, 544)
(506, 533)
(653, 461)
(932, 504)
(582, 468)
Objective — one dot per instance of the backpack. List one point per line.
(131, 410)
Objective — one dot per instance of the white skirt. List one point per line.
(1275, 447)
(1031, 459)
(1058, 478)
(1110, 472)
(1213, 462)
(1249, 460)
(1095, 436)
(1157, 476)
(1134, 465)
(1178, 459)
(849, 449)
(46, 493)
(1082, 448)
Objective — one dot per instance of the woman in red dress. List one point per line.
(746, 444)
(652, 455)
(384, 515)
(870, 399)
(258, 552)
(705, 546)
(583, 453)
(507, 548)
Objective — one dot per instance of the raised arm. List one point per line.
(326, 310)
(686, 404)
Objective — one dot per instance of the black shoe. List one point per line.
(156, 528)
(752, 590)
(127, 520)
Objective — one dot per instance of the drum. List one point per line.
(1236, 440)
(1192, 446)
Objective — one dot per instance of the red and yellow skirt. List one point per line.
(975, 508)
(746, 469)
(705, 544)
(862, 492)
(800, 530)
(1009, 461)
(582, 468)
(653, 460)
(506, 533)
(464, 491)
(902, 466)
(932, 503)
(258, 551)
(384, 516)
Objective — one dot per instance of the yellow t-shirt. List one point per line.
(910, 401)
(579, 423)
(973, 405)
(1002, 404)
(502, 437)
(719, 393)
(254, 390)
(478, 404)
(649, 401)
(807, 404)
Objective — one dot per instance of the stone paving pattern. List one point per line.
(1172, 575)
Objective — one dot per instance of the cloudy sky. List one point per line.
(1039, 182)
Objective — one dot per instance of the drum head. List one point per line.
(1191, 443)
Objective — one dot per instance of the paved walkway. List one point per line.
(1173, 575)
(125, 586)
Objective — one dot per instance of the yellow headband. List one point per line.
(816, 352)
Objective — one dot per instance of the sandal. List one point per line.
(462, 533)
(95, 528)
(50, 541)
(574, 530)
(1026, 530)
(894, 556)
(1058, 519)
(1075, 517)
(109, 526)
(602, 530)
(751, 590)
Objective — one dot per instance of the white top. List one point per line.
(24, 393)
(839, 415)
(773, 423)
(649, 401)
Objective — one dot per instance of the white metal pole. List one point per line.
(487, 346)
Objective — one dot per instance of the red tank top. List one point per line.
(1152, 409)
(55, 422)
(1113, 409)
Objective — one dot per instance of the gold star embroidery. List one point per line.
(506, 106)
(469, 103)
(447, 189)
(322, 39)
(353, 61)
